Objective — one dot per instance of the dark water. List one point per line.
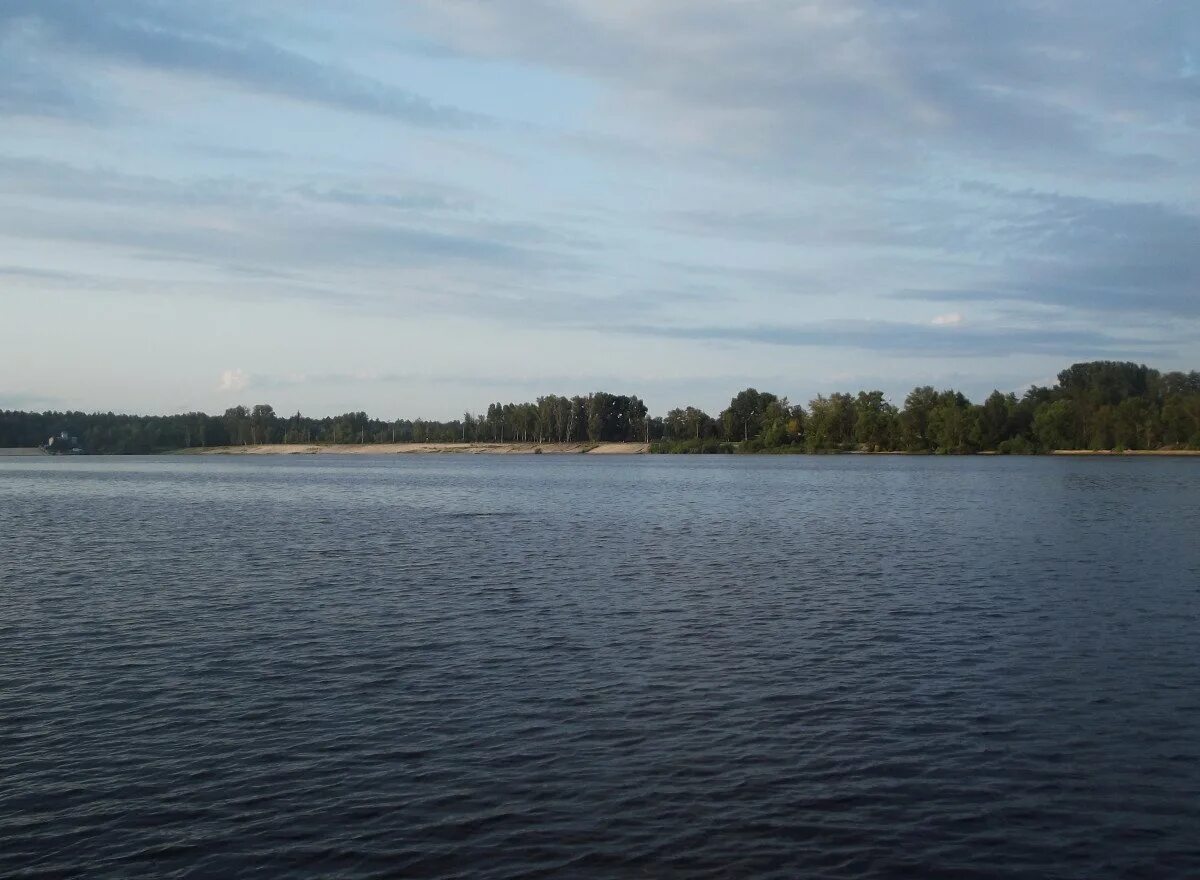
(590, 667)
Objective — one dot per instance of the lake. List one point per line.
(577, 666)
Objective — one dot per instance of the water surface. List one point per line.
(431, 666)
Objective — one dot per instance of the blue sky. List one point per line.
(417, 208)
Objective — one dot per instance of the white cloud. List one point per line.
(233, 380)
(949, 319)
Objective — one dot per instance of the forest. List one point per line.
(1100, 405)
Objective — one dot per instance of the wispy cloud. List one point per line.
(1012, 84)
(30, 88)
(262, 227)
(922, 340)
(950, 319)
(212, 42)
(1090, 255)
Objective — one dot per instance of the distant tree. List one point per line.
(262, 424)
(1181, 419)
(237, 425)
(914, 421)
(996, 419)
(1054, 425)
(1136, 424)
(776, 424)
(953, 424)
(876, 421)
(743, 418)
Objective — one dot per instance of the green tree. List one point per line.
(875, 424)
(1181, 419)
(953, 424)
(237, 425)
(743, 418)
(914, 420)
(262, 424)
(996, 419)
(776, 421)
(1054, 425)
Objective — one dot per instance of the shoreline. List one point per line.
(607, 448)
(602, 449)
(1112, 453)
(424, 448)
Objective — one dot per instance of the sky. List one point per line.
(419, 208)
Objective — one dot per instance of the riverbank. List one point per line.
(732, 449)
(427, 448)
(587, 449)
(1114, 452)
(565, 449)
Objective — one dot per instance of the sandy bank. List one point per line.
(413, 448)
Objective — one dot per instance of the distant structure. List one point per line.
(63, 444)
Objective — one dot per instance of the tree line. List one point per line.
(597, 417)
(1101, 405)
(1096, 405)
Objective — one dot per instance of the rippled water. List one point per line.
(432, 666)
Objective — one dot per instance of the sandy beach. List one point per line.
(416, 448)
